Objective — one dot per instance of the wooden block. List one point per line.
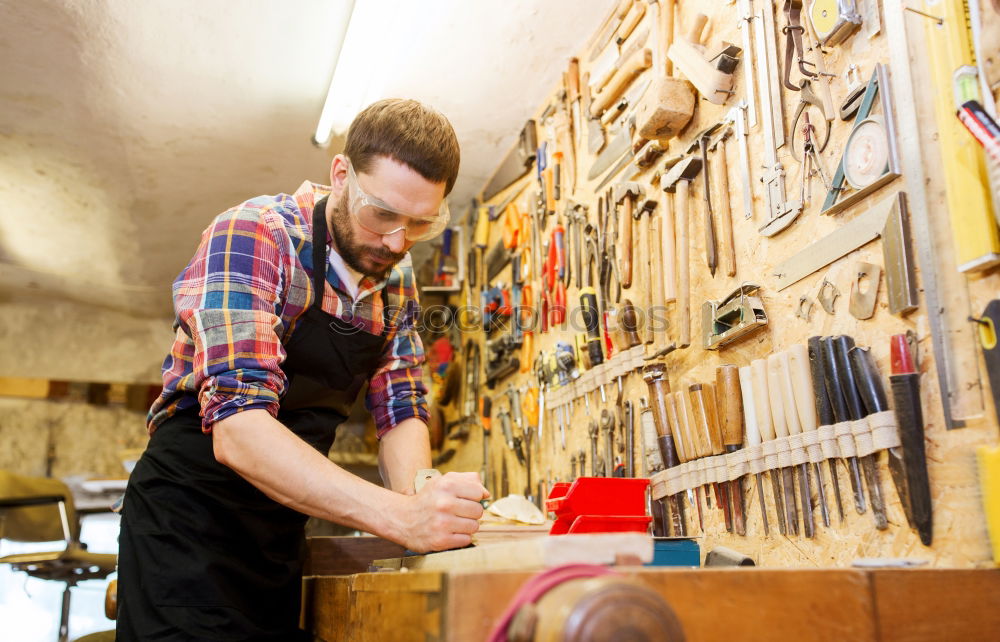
(537, 553)
(932, 604)
(24, 387)
(665, 109)
(346, 555)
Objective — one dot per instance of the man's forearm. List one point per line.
(292, 472)
(402, 452)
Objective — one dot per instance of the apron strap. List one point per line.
(319, 253)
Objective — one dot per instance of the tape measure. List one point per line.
(834, 20)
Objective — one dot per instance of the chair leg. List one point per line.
(64, 618)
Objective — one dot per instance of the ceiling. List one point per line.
(126, 126)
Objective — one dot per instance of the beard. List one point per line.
(360, 257)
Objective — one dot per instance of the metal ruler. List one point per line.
(911, 163)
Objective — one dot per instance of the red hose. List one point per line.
(539, 585)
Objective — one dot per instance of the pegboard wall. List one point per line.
(890, 44)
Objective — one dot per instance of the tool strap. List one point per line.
(878, 431)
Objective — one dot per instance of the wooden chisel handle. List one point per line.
(707, 415)
(761, 399)
(635, 65)
(659, 390)
(730, 401)
(788, 394)
(802, 384)
(697, 438)
(681, 438)
(749, 407)
(573, 80)
(628, 25)
(775, 388)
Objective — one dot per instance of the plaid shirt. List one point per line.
(238, 301)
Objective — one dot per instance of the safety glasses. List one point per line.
(378, 217)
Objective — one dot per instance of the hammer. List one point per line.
(628, 192)
(678, 180)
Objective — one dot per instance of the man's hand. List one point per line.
(444, 514)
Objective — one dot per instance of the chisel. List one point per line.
(855, 407)
(762, 407)
(798, 356)
(831, 377)
(682, 447)
(795, 427)
(905, 383)
(777, 364)
(729, 398)
(753, 435)
(824, 412)
(655, 378)
(707, 419)
(691, 448)
(869, 383)
(776, 383)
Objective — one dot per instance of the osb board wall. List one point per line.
(86, 439)
(50, 339)
(959, 530)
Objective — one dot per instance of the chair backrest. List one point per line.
(35, 523)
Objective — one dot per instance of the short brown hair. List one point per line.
(409, 132)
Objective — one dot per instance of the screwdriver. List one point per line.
(753, 435)
(762, 408)
(729, 398)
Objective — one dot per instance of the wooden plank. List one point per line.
(711, 604)
(346, 555)
(327, 606)
(475, 600)
(937, 604)
(537, 552)
(24, 387)
(757, 604)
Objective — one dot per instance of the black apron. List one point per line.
(205, 555)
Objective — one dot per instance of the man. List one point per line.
(290, 304)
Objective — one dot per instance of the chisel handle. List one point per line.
(792, 423)
(802, 384)
(762, 399)
(749, 407)
(696, 437)
(775, 394)
(824, 411)
(707, 415)
(729, 397)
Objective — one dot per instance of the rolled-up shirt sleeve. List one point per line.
(228, 301)
(397, 390)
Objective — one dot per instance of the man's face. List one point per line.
(397, 185)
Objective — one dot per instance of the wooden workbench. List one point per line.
(711, 604)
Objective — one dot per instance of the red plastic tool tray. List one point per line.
(599, 505)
